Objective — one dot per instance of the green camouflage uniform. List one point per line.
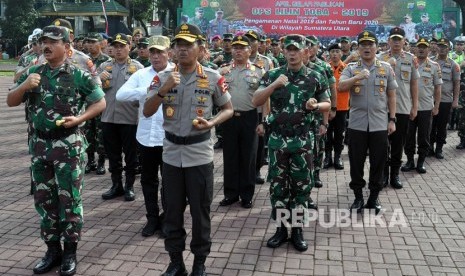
(290, 139)
(281, 59)
(58, 154)
(145, 62)
(319, 148)
(209, 64)
(93, 128)
(461, 109)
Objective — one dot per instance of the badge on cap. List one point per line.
(169, 112)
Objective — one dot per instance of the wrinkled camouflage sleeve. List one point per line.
(88, 88)
(329, 74)
(322, 92)
(268, 78)
(23, 77)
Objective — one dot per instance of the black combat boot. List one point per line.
(358, 202)
(198, 268)
(372, 202)
(51, 259)
(421, 164)
(297, 239)
(176, 266)
(316, 178)
(409, 165)
(278, 238)
(90, 166)
(129, 187)
(438, 153)
(328, 161)
(395, 180)
(68, 266)
(153, 224)
(101, 165)
(461, 145)
(116, 189)
(338, 164)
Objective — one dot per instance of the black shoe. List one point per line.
(259, 179)
(129, 193)
(51, 259)
(218, 144)
(338, 164)
(316, 177)
(439, 154)
(151, 227)
(91, 166)
(311, 204)
(328, 161)
(247, 204)
(101, 166)
(297, 239)
(115, 191)
(69, 264)
(408, 166)
(395, 182)
(228, 201)
(175, 269)
(374, 205)
(421, 164)
(357, 205)
(278, 238)
(198, 268)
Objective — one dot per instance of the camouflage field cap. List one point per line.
(55, 33)
(143, 41)
(94, 37)
(294, 40)
(159, 42)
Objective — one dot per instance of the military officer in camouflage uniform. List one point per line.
(428, 106)
(188, 94)
(53, 92)
(405, 66)
(200, 20)
(296, 93)
(28, 59)
(461, 113)
(372, 87)
(93, 128)
(276, 52)
(240, 132)
(143, 52)
(450, 89)
(225, 56)
(458, 55)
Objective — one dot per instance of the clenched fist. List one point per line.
(32, 81)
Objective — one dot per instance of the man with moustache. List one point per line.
(54, 93)
(150, 133)
(188, 93)
(240, 136)
(372, 87)
(405, 66)
(119, 120)
(295, 93)
(428, 106)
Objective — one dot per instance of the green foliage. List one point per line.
(20, 20)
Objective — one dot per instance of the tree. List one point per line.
(163, 7)
(461, 4)
(19, 22)
(139, 10)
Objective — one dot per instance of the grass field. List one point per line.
(6, 74)
(9, 61)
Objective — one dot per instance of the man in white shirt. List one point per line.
(150, 132)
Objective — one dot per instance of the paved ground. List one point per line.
(430, 243)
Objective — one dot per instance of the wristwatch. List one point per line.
(393, 120)
(325, 125)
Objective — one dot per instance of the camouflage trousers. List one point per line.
(461, 122)
(94, 136)
(289, 174)
(57, 197)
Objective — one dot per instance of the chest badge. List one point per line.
(357, 89)
(169, 112)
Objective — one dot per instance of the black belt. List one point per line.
(242, 113)
(56, 134)
(187, 140)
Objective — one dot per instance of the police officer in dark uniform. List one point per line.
(188, 94)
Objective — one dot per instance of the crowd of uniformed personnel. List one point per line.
(288, 102)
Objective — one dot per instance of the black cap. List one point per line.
(252, 35)
(443, 41)
(120, 38)
(367, 36)
(334, 46)
(55, 33)
(188, 32)
(397, 32)
(241, 40)
(423, 41)
(228, 36)
(63, 23)
(143, 40)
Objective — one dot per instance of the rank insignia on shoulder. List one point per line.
(132, 69)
